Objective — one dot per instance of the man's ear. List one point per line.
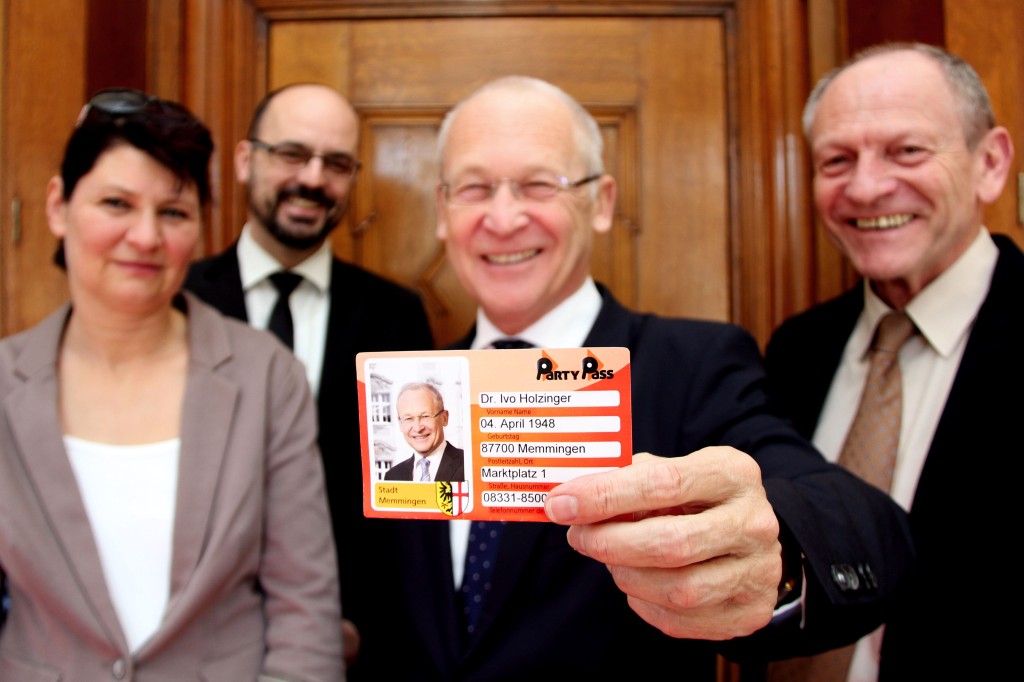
(55, 205)
(441, 211)
(243, 154)
(995, 156)
(604, 203)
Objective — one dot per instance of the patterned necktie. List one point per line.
(424, 466)
(481, 554)
(870, 452)
(281, 317)
(482, 548)
(871, 443)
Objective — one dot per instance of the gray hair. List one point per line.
(586, 132)
(972, 101)
(423, 386)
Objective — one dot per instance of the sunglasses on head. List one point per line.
(120, 102)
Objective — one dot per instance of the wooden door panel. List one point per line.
(43, 83)
(656, 86)
(987, 34)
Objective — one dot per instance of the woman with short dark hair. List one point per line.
(162, 507)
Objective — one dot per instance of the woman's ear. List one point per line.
(56, 216)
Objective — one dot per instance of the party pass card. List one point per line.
(485, 434)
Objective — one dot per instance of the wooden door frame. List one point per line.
(221, 47)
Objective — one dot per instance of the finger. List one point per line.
(714, 583)
(743, 525)
(655, 542)
(653, 485)
(719, 599)
(721, 622)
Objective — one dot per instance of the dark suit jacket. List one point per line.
(554, 612)
(368, 313)
(253, 584)
(451, 468)
(964, 507)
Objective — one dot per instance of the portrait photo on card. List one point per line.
(419, 419)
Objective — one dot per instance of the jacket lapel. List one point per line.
(35, 423)
(210, 403)
(451, 467)
(219, 281)
(342, 328)
(972, 401)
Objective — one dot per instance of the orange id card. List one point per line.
(498, 428)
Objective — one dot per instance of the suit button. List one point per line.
(119, 669)
(868, 576)
(845, 577)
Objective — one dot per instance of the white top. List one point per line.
(310, 302)
(565, 326)
(129, 493)
(944, 312)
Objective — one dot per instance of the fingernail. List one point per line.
(563, 508)
(572, 537)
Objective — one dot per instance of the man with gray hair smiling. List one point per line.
(717, 538)
(906, 156)
(422, 418)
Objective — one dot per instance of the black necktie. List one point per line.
(482, 549)
(281, 317)
(502, 344)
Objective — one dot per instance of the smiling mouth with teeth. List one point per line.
(303, 203)
(885, 222)
(511, 258)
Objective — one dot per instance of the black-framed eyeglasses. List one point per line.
(120, 102)
(296, 156)
(409, 420)
(476, 191)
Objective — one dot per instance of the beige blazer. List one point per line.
(254, 592)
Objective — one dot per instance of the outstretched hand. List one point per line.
(692, 541)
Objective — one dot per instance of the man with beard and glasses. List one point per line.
(298, 165)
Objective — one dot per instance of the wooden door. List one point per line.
(42, 93)
(669, 248)
(698, 102)
(987, 33)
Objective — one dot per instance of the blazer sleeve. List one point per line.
(298, 572)
(855, 540)
(704, 384)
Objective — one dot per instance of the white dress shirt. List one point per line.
(310, 302)
(944, 312)
(565, 326)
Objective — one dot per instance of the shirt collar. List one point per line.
(256, 264)
(564, 326)
(945, 309)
